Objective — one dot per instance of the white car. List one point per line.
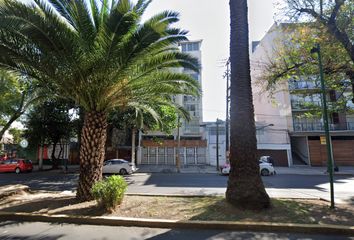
(265, 169)
(120, 166)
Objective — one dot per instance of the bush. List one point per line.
(110, 192)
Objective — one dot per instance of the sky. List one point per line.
(209, 20)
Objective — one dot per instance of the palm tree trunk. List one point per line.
(92, 153)
(245, 188)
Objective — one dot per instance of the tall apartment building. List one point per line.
(159, 148)
(289, 134)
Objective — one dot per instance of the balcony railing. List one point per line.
(296, 85)
(303, 105)
(310, 127)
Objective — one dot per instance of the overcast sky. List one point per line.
(209, 20)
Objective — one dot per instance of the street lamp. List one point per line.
(317, 50)
(262, 127)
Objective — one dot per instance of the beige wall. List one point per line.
(275, 109)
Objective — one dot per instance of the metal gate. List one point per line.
(167, 155)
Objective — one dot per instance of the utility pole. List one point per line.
(227, 103)
(317, 50)
(217, 144)
(178, 163)
(227, 76)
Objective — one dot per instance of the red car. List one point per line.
(16, 165)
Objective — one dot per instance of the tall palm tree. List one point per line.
(245, 187)
(99, 54)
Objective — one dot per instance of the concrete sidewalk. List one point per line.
(300, 170)
(207, 169)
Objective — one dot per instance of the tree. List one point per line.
(163, 118)
(291, 60)
(16, 135)
(100, 55)
(336, 16)
(245, 187)
(16, 95)
(51, 123)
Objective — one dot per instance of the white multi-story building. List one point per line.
(289, 135)
(159, 148)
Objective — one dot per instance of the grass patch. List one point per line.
(211, 208)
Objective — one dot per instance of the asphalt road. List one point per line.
(281, 185)
(51, 231)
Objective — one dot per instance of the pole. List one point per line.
(178, 163)
(227, 106)
(317, 49)
(217, 144)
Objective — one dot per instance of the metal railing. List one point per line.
(296, 85)
(304, 104)
(309, 127)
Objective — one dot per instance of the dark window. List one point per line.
(7, 161)
(335, 118)
(332, 95)
(117, 162)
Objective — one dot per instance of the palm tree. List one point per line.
(245, 187)
(99, 54)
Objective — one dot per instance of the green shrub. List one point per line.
(110, 192)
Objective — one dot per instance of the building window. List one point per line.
(195, 76)
(332, 95)
(189, 47)
(335, 118)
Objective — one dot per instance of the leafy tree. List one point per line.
(100, 55)
(291, 60)
(336, 16)
(16, 134)
(146, 120)
(16, 95)
(245, 187)
(51, 123)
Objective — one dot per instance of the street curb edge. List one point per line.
(163, 223)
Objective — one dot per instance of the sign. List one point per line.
(24, 143)
(323, 140)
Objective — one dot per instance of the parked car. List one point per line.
(119, 166)
(16, 165)
(267, 159)
(265, 169)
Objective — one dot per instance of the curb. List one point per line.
(163, 223)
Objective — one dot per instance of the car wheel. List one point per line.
(265, 172)
(17, 170)
(123, 171)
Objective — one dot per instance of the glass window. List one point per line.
(188, 47)
(195, 76)
(184, 47)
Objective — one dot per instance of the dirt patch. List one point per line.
(183, 208)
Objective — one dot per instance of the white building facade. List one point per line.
(161, 149)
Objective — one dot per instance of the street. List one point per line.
(281, 185)
(52, 231)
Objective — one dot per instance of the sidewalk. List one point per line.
(207, 169)
(300, 170)
(306, 170)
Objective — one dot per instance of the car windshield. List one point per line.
(27, 161)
